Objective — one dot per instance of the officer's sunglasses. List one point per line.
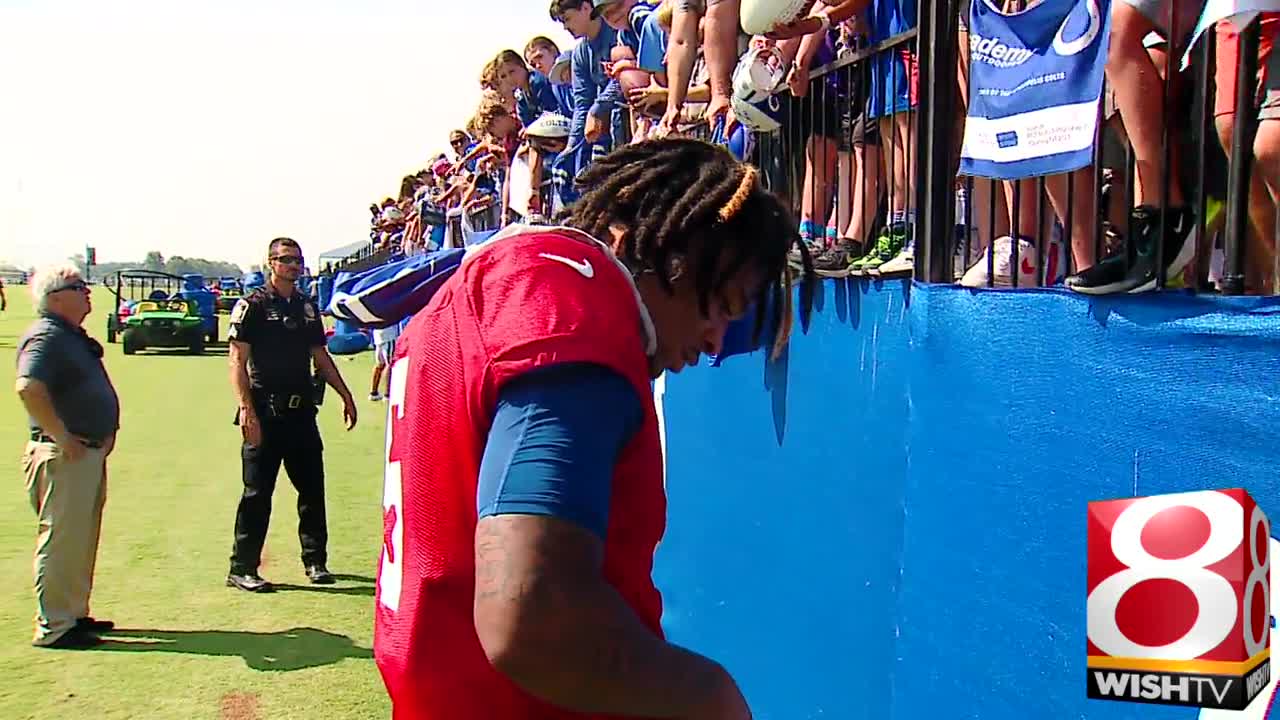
(288, 259)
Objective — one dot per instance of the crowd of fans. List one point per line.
(640, 70)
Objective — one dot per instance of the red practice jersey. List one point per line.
(527, 299)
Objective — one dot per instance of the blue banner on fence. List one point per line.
(1035, 80)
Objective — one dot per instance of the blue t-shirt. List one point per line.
(652, 55)
(471, 164)
(890, 17)
(890, 81)
(629, 36)
(555, 439)
(594, 92)
(564, 99)
(540, 99)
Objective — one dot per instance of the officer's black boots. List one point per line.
(251, 582)
(319, 575)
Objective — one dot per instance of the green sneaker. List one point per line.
(888, 245)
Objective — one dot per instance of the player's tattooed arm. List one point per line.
(548, 620)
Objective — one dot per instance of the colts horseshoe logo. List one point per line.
(1063, 47)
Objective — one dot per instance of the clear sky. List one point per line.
(205, 129)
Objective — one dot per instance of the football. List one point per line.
(761, 16)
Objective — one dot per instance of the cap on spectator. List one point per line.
(599, 5)
(549, 125)
(562, 69)
(441, 167)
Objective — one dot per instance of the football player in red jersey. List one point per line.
(524, 493)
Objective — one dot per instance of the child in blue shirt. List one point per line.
(533, 93)
(544, 56)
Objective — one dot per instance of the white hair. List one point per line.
(50, 277)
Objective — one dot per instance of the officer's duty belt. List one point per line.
(40, 437)
(282, 403)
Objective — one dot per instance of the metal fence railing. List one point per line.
(869, 159)
(852, 174)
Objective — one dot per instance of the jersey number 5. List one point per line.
(391, 568)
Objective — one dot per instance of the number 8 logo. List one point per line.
(1259, 573)
(1213, 593)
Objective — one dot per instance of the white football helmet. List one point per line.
(757, 78)
(549, 125)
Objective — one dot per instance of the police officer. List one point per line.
(275, 334)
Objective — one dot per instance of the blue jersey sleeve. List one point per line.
(584, 92)
(554, 442)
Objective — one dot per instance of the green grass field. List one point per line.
(191, 647)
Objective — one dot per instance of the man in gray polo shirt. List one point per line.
(74, 414)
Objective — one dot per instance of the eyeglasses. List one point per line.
(78, 285)
(288, 259)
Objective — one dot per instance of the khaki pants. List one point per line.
(68, 499)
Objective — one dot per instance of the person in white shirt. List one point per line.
(384, 346)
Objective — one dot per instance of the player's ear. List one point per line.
(676, 266)
(618, 235)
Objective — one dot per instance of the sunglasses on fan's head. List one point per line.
(288, 259)
(78, 284)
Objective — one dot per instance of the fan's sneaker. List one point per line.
(965, 253)
(887, 246)
(902, 263)
(1135, 271)
(834, 262)
(977, 276)
(815, 249)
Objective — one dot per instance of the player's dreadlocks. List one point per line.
(679, 195)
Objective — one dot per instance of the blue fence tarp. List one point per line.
(889, 521)
(385, 295)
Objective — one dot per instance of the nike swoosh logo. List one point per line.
(583, 266)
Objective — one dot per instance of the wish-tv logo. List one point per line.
(1179, 598)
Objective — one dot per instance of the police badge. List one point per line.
(310, 310)
(237, 317)
(238, 312)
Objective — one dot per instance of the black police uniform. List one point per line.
(281, 333)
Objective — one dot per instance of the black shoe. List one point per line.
(1135, 271)
(249, 582)
(320, 575)
(815, 248)
(834, 261)
(74, 639)
(88, 624)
